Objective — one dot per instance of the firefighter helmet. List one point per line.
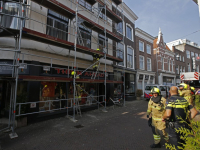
(155, 90)
(184, 86)
(192, 88)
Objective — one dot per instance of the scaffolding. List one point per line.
(21, 17)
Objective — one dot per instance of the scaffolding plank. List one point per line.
(96, 27)
(62, 79)
(57, 7)
(40, 37)
(111, 14)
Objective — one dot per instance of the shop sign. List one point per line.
(141, 77)
(146, 77)
(84, 75)
(33, 105)
(6, 68)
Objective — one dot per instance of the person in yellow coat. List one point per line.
(184, 92)
(156, 108)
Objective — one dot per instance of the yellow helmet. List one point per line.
(192, 88)
(184, 86)
(98, 49)
(155, 90)
(73, 73)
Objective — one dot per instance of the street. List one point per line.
(121, 128)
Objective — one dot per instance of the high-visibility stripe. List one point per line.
(157, 119)
(148, 110)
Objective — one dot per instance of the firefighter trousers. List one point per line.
(157, 134)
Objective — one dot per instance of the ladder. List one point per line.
(94, 74)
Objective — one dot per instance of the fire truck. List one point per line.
(191, 78)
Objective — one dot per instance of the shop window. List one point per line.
(130, 83)
(57, 25)
(117, 76)
(50, 91)
(118, 89)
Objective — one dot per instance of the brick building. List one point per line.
(144, 59)
(184, 51)
(126, 51)
(164, 61)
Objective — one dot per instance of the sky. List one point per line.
(178, 19)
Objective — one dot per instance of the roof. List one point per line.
(156, 46)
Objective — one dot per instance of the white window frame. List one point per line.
(172, 64)
(150, 64)
(180, 58)
(133, 56)
(162, 63)
(150, 48)
(187, 52)
(143, 62)
(183, 59)
(139, 46)
(169, 65)
(190, 67)
(128, 25)
(177, 69)
(124, 56)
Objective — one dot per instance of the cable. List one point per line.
(190, 34)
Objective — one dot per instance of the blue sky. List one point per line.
(176, 18)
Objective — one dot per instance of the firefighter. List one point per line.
(96, 57)
(193, 93)
(74, 73)
(156, 107)
(184, 92)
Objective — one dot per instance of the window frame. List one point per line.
(150, 64)
(128, 25)
(124, 54)
(147, 49)
(162, 63)
(139, 46)
(143, 62)
(188, 66)
(188, 54)
(132, 57)
(169, 65)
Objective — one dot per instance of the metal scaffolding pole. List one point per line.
(105, 23)
(124, 53)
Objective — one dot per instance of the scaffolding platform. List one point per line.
(37, 36)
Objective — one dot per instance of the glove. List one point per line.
(171, 125)
(147, 116)
(150, 122)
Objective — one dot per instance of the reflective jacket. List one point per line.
(187, 95)
(157, 111)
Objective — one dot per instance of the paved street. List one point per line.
(121, 128)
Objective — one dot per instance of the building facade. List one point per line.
(164, 62)
(185, 51)
(47, 47)
(126, 51)
(144, 59)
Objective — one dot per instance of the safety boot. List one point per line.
(156, 145)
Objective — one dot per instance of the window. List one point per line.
(177, 58)
(177, 70)
(141, 46)
(148, 64)
(162, 88)
(168, 65)
(162, 64)
(57, 25)
(85, 4)
(189, 69)
(84, 36)
(183, 69)
(141, 58)
(119, 27)
(102, 43)
(192, 54)
(188, 54)
(183, 59)
(180, 58)
(148, 49)
(120, 53)
(172, 66)
(180, 69)
(197, 68)
(196, 55)
(130, 57)
(129, 32)
(149, 88)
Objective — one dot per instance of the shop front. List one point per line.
(144, 78)
(167, 79)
